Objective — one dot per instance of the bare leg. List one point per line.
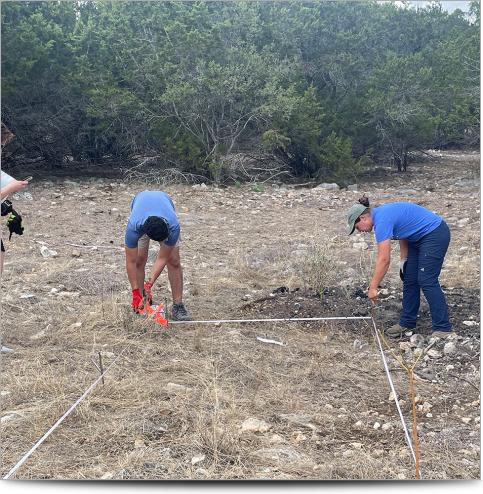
(175, 276)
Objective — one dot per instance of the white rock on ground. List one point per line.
(9, 417)
(285, 455)
(46, 252)
(276, 439)
(255, 425)
(197, 459)
(176, 388)
(450, 348)
(432, 353)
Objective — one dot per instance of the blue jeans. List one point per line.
(425, 259)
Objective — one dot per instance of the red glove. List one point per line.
(137, 299)
(147, 292)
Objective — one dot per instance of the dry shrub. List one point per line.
(318, 268)
(466, 272)
(242, 167)
(151, 172)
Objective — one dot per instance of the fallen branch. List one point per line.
(466, 380)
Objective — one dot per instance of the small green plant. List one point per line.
(258, 188)
(216, 170)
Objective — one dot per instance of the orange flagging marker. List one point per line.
(157, 313)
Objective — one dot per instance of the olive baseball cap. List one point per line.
(354, 212)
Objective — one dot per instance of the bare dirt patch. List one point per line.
(175, 404)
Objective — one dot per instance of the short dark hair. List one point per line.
(156, 228)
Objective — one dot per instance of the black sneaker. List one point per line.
(179, 313)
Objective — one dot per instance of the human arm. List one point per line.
(131, 270)
(382, 265)
(12, 187)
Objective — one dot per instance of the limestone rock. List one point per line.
(255, 425)
(174, 388)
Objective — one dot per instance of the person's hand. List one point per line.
(12, 187)
(372, 294)
(18, 185)
(137, 300)
(402, 268)
(147, 292)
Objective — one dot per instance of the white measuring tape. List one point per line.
(285, 319)
(66, 414)
(406, 432)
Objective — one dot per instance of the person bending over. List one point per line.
(153, 217)
(423, 241)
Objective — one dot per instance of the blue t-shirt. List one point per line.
(151, 203)
(403, 220)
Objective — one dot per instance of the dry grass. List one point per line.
(463, 267)
(134, 426)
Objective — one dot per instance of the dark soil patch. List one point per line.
(463, 305)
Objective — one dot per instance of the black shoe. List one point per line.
(179, 313)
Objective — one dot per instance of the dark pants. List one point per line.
(425, 259)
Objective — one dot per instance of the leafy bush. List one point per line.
(338, 163)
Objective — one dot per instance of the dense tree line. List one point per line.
(323, 87)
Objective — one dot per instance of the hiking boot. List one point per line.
(397, 330)
(179, 313)
(443, 334)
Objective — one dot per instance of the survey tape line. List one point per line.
(391, 384)
(286, 319)
(66, 414)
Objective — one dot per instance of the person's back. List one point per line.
(403, 220)
(151, 203)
